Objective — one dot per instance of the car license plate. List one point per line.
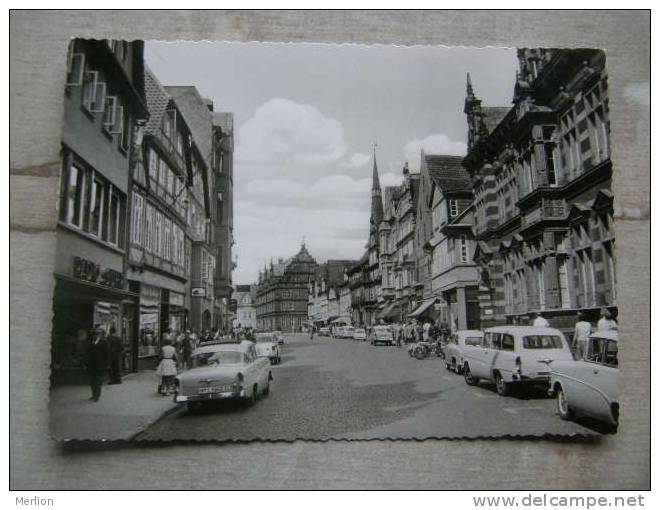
(214, 389)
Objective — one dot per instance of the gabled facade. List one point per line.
(325, 292)
(104, 101)
(542, 177)
(282, 293)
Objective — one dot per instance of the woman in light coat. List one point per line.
(167, 369)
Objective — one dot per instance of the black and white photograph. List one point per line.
(265, 241)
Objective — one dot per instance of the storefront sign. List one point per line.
(198, 292)
(92, 272)
(176, 299)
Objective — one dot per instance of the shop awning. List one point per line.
(391, 311)
(422, 308)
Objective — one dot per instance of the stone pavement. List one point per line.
(123, 411)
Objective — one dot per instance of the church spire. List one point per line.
(470, 92)
(376, 196)
(472, 108)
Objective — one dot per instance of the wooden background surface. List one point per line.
(38, 43)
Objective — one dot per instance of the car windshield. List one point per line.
(542, 342)
(264, 339)
(359, 330)
(211, 359)
(473, 340)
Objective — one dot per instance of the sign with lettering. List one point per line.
(198, 292)
(92, 272)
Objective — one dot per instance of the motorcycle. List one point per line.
(423, 350)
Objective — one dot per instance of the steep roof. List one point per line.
(493, 115)
(332, 271)
(448, 173)
(157, 101)
(197, 116)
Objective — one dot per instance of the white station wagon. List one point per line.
(224, 371)
(515, 355)
(454, 348)
(590, 387)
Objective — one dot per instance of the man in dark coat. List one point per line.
(187, 349)
(116, 348)
(97, 362)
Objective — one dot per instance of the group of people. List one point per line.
(176, 354)
(583, 328)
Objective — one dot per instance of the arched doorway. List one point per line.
(206, 320)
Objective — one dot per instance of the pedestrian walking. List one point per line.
(607, 322)
(312, 330)
(166, 368)
(97, 362)
(187, 349)
(540, 321)
(116, 349)
(581, 336)
(426, 331)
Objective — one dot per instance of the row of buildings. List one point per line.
(144, 232)
(521, 224)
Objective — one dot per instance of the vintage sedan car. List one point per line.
(279, 336)
(359, 334)
(512, 356)
(453, 350)
(589, 387)
(382, 335)
(268, 347)
(344, 332)
(224, 371)
(324, 331)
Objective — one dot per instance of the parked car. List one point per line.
(268, 347)
(344, 332)
(279, 336)
(453, 350)
(324, 331)
(589, 387)
(514, 356)
(359, 334)
(224, 371)
(382, 335)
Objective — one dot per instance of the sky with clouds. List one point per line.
(306, 117)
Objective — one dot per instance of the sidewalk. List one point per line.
(123, 410)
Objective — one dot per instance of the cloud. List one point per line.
(433, 144)
(272, 216)
(282, 132)
(357, 160)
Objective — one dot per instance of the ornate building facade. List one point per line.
(543, 205)
(282, 293)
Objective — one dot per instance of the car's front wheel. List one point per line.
(469, 378)
(564, 410)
